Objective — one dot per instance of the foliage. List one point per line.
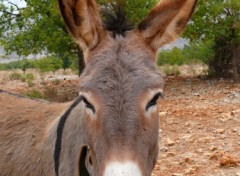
(44, 65)
(34, 94)
(15, 76)
(29, 77)
(218, 21)
(136, 10)
(193, 53)
(2, 66)
(38, 28)
(48, 64)
(33, 29)
(215, 19)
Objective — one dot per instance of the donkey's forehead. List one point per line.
(121, 66)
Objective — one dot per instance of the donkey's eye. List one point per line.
(154, 100)
(88, 104)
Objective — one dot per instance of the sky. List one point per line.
(20, 3)
(180, 43)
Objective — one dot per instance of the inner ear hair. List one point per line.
(166, 21)
(83, 20)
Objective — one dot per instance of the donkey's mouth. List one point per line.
(83, 168)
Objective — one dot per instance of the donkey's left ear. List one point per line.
(166, 21)
(83, 21)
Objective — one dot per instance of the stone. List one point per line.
(190, 171)
(171, 154)
(238, 132)
(170, 142)
(220, 131)
(176, 174)
(187, 124)
(234, 130)
(163, 149)
(200, 150)
(213, 148)
(188, 160)
(162, 113)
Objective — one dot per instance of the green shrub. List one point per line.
(194, 53)
(49, 64)
(30, 83)
(34, 94)
(15, 76)
(1, 66)
(22, 77)
(30, 76)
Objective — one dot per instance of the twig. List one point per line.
(9, 13)
(14, 5)
(227, 11)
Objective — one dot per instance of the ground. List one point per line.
(200, 128)
(199, 124)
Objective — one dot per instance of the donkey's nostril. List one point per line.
(127, 168)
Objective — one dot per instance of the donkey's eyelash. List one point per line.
(88, 104)
(153, 102)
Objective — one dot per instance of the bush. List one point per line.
(34, 94)
(29, 77)
(1, 66)
(22, 77)
(49, 64)
(44, 65)
(195, 53)
(15, 76)
(30, 83)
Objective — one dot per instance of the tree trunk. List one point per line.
(236, 63)
(81, 63)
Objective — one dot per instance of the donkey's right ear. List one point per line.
(166, 21)
(83, 21)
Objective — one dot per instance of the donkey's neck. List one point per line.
(66, 136)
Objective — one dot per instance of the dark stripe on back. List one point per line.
(61, 124)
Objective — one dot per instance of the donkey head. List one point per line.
(121, 85)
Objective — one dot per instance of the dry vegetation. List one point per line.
(60, 86)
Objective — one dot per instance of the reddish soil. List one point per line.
(200, 127)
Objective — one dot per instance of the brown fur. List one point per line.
(83, 21)
(166, 21)
(23, 135)
(119, 81)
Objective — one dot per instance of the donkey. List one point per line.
(111, 129)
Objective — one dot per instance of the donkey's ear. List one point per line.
(166, 21)
(83, 21)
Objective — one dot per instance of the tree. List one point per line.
(136, 10)
(38, 27)
(34, 29)
(219, 21)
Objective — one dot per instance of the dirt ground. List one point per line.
(199, 126)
